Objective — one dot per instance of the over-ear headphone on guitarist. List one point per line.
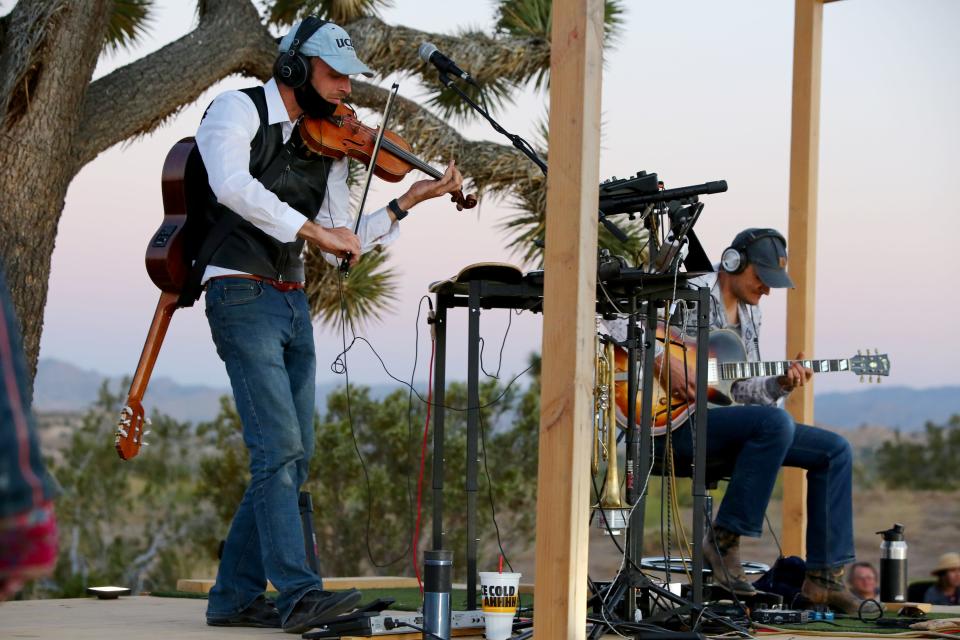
(292, 68)
(734, 258)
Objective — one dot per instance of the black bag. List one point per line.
(785, 578)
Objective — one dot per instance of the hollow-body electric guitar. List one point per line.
(167, 268)
(726, 364)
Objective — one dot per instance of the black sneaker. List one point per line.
(262, 613)
(316, 607)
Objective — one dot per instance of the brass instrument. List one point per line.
(613, 512)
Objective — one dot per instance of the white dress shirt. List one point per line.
(224, 138)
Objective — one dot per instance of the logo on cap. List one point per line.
(783, 262)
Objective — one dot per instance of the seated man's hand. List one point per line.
(796, 376)
(683, 385)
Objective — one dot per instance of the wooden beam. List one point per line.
(570, 270)
(802, 238)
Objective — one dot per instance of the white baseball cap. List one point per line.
(331, 44)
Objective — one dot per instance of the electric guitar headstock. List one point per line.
(870, 364)
(131, 429)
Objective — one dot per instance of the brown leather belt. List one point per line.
(279, 285)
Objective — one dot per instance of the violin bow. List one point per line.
(345, 263)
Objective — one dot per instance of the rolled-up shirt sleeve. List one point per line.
(376, 227)
(223, 139)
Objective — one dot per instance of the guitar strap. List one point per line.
(229, 220)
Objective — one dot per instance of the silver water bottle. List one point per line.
(437, 580)
(893, 565)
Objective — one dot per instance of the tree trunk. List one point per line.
(46, 68)
(53, 120)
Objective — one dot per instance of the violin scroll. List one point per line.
(468, 201)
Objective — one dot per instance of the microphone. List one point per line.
(431, 55)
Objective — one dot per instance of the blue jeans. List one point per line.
(754, 442)
(265, 338)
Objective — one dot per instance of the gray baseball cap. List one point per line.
(766, 250)
(331, 44)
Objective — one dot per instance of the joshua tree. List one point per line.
(54, 118)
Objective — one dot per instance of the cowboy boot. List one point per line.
(825, 586)
(721, 551)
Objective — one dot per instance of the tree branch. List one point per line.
(25, 32)
(493, 167)
(229, 39)
(389, 49)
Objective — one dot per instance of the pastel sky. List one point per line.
(694, 90)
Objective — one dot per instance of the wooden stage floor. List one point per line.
(133, 618)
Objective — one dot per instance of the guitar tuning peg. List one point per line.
(147, 421)
(122, 432)
(876, 351)
(146, 433)
(126, 411)
(861, 379)
(879, 379)
(144, 444)
(858, 352)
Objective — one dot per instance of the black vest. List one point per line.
(302, 185)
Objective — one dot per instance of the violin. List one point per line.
(342, 134)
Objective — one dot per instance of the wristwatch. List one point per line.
(394, 206)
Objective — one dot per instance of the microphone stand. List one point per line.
(517, 141)
(524, 148)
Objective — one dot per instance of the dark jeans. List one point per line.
(750, 444)
(265, 338)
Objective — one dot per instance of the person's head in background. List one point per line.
(862, 579)
(948, 572)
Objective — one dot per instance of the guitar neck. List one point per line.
(151, 347)
(740, 370)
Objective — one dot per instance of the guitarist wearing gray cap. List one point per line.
(757, 437)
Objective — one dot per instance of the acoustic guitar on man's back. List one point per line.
(168, 268)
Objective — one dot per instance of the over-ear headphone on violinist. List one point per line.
(734, 258)
(292, 68)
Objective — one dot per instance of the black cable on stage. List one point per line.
(503, 343)
(337, 367)
(493, 509)
(411, 442)
(344, 318)
(773, 533)
(403, 623)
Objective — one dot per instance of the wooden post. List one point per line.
(802, 238)
(570, 270)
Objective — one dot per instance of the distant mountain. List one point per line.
(896, 407)
(64, 387)
(61, 386)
